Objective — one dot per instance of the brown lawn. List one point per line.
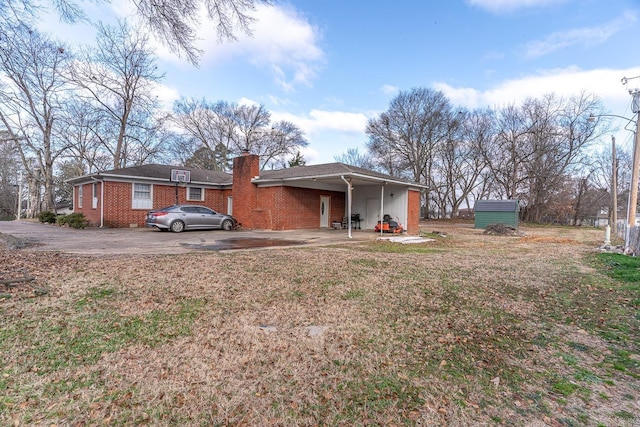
(468, 329)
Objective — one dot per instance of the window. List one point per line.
(94, 196)
(142, 198)
(79, 196)
(195, 193)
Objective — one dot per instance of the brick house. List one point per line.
(305, 197)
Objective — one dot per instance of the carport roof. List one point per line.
(329, 172)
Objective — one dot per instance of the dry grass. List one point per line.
(467, 330)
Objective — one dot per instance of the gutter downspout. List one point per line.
(101, 201)
(348, 203)
(382, 206)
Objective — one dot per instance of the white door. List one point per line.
(230, 205)
(324, 211)
(373, 213)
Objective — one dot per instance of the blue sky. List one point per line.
(330, 65)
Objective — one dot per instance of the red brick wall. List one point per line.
(413, 212)
(245, 167)
(93, 215)
(118, 201)
(291, 208)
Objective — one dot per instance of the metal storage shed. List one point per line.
(490, 212)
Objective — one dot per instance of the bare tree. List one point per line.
(206, 129)
(176, 21)
(506, 153)
(30, 103)
(459, 164)
(82, 126)
(559, 132)
(406, 136)
(173, 22)
(9, 176)
(118, 78)
(226, 130)
(283, 141)
(353, 157)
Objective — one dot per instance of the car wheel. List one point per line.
(227, 224)
(177, 226)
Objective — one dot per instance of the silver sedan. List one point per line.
(179, 218)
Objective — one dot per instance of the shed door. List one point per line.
(324, 211)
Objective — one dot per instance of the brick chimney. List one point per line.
(244, 192)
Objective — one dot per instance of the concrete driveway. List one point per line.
(116, 241)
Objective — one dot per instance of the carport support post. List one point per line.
(349, 188)
(382, 205)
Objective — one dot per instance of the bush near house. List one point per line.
(47, 217)
(74, 220)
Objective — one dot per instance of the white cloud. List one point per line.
(283, 44)
(317, 121)
(604, 83)
(248, 102)
(585, 36)
(505, 6)
(329, 132)
(166, 95)
(390, 89)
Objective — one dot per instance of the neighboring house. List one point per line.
(304, 197)
(64, 208)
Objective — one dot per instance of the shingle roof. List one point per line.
(163, 172)
(327, 169)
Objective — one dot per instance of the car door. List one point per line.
(190, 216)
(208, 218)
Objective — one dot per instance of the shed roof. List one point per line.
(496, 206)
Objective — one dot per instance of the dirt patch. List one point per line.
(502, 230)
(243, 243)
(548, 239)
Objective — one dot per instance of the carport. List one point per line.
(369, 195)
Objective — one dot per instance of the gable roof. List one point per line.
(328, 171)
(159, 173)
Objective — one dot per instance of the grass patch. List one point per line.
(625, 415)
(468, 331)
(84, 338)
(623, 268)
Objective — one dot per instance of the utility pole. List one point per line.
(614, 187)
(633, 196)
(633, 190)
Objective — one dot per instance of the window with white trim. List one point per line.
(94, 196)
(195, 193)
(79, 196)
(142, 197)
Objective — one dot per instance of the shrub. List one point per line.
(74, 220)
(47, 217)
